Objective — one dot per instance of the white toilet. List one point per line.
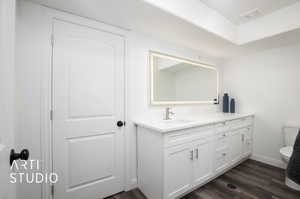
(290, 131)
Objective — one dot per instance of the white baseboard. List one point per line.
(133, 184)
(270, 161)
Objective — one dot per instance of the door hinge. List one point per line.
(51, 114)
(52, 190)
(52, 39)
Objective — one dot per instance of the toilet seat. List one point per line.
(286, 152)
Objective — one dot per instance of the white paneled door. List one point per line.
(7, 99)
(88, 100)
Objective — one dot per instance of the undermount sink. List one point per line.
(177, 121)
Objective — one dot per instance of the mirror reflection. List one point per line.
(180, 81)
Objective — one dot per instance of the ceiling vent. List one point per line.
(251, 14)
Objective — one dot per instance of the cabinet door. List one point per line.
(247, 141)
(236, 147)
(178, 170)
(203, 161)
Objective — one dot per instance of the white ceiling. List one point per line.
(233, 9)
(132, 15)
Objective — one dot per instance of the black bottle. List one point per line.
(232, 105)
(225, 103)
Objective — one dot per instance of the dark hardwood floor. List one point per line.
(250, 180)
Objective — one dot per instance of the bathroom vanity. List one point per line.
(179, 155)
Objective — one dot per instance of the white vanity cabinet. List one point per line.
(172, 162)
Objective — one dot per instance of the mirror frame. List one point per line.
(153, 54)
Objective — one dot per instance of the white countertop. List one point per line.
(186, 122)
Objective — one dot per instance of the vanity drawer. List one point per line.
(222, 153)
(188, 135)
(239, 123)
(221, 140)
(222, 126)
(234, 124)
(247, 132)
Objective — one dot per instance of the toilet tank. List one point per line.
(290, 136)
(290, 132)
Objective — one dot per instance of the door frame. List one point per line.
(47, 93)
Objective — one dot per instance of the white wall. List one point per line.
(266, 83)
(7, 92)
(33, 81)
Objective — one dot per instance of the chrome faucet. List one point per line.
(168, 113)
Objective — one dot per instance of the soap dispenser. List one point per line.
(226, 103)
(232, 105)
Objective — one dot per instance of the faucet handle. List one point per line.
(168, 113)
(168, 109)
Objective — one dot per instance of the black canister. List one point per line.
(232, 105)
(225, 103)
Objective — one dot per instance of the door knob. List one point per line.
(120, 123)
(24, 155)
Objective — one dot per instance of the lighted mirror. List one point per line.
(177, 80)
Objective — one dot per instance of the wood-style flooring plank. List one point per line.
(252, 180)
